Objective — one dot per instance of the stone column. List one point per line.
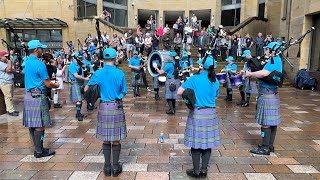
(99, 7)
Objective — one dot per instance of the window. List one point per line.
(226, 2)
(43, 35)
(119, 17)
(261, 10)
(230, 17)
(118, 10)
(28, 35)
(86, 8)
(284, 10)
(56, 35)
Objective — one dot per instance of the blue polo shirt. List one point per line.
(271, 67)
(205, 91)
(232, 67)
(35, 72)
(112, 83)
(184, 63)
(88, 63)
(135, 61)
(73, 68)
(169, 69)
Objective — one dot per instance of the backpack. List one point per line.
(304, 80)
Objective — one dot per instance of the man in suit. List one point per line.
(203, 41)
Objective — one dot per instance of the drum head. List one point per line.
(162, 78)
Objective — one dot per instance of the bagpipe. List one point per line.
(275, 77)
(18, 76)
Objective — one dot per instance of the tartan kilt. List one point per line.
(134, 81)
(268, 108)
(75, 92)
(202, 129)
(36, 111)
(249, 86)
(155, 82)
(171, 94)
(111, 123)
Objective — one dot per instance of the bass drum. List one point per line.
(159, 59)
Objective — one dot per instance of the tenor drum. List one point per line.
(222, 77)
(236, 80)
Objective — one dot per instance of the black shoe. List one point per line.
(14, 113)
(229, 99)
(246, 104)
(270, 148)
(107, 171)
(203, 174)
(44, 153)
(90, 107)
(57, 106)
(170, 112)
(191, 173)
(80, 116)
(117, 171)
(157, 97)
(137, 95)
(261, 150)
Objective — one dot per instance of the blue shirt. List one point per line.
(205, 91)
(92, 49)
(88, 63)
(271, 67)
(35, 72)
(230, 67)
(184, 63)
(73, 69)
(169, 69)
(112, 83)
(135, 61)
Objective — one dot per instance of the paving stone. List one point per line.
(300, 112)
(135, 167)
(234, 168)
(302, 169)
(69, 140)
(251, 160)
(271, 168)
(63, 175)
(31, 158)
(135, 127)
(36, 166)
(9, 165)
(152, 175)
(166, 167)
(144, 152)
(226, 176)
(88, 175)
(93, 159)
(156, 121)
(152, 159)
(180, 147)
(293, 176)
(278, 160)
(69, 127)
(70, 166)
(291, 128)
(316, 141)
(91, 131)
(258, 176)
(17, 174)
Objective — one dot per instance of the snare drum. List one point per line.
(162, 79)
(222, 77)
(236, 80)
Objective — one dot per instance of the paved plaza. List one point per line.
(79, 154)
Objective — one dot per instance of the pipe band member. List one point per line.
(136, 76)
(248, 84)
(111, 123)
(172, 82)
(156, 63)
(186, 65)
(36, 109)
(268, 104)
(230, 68)
(88, 73)
(77, 81)
(202, 129)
